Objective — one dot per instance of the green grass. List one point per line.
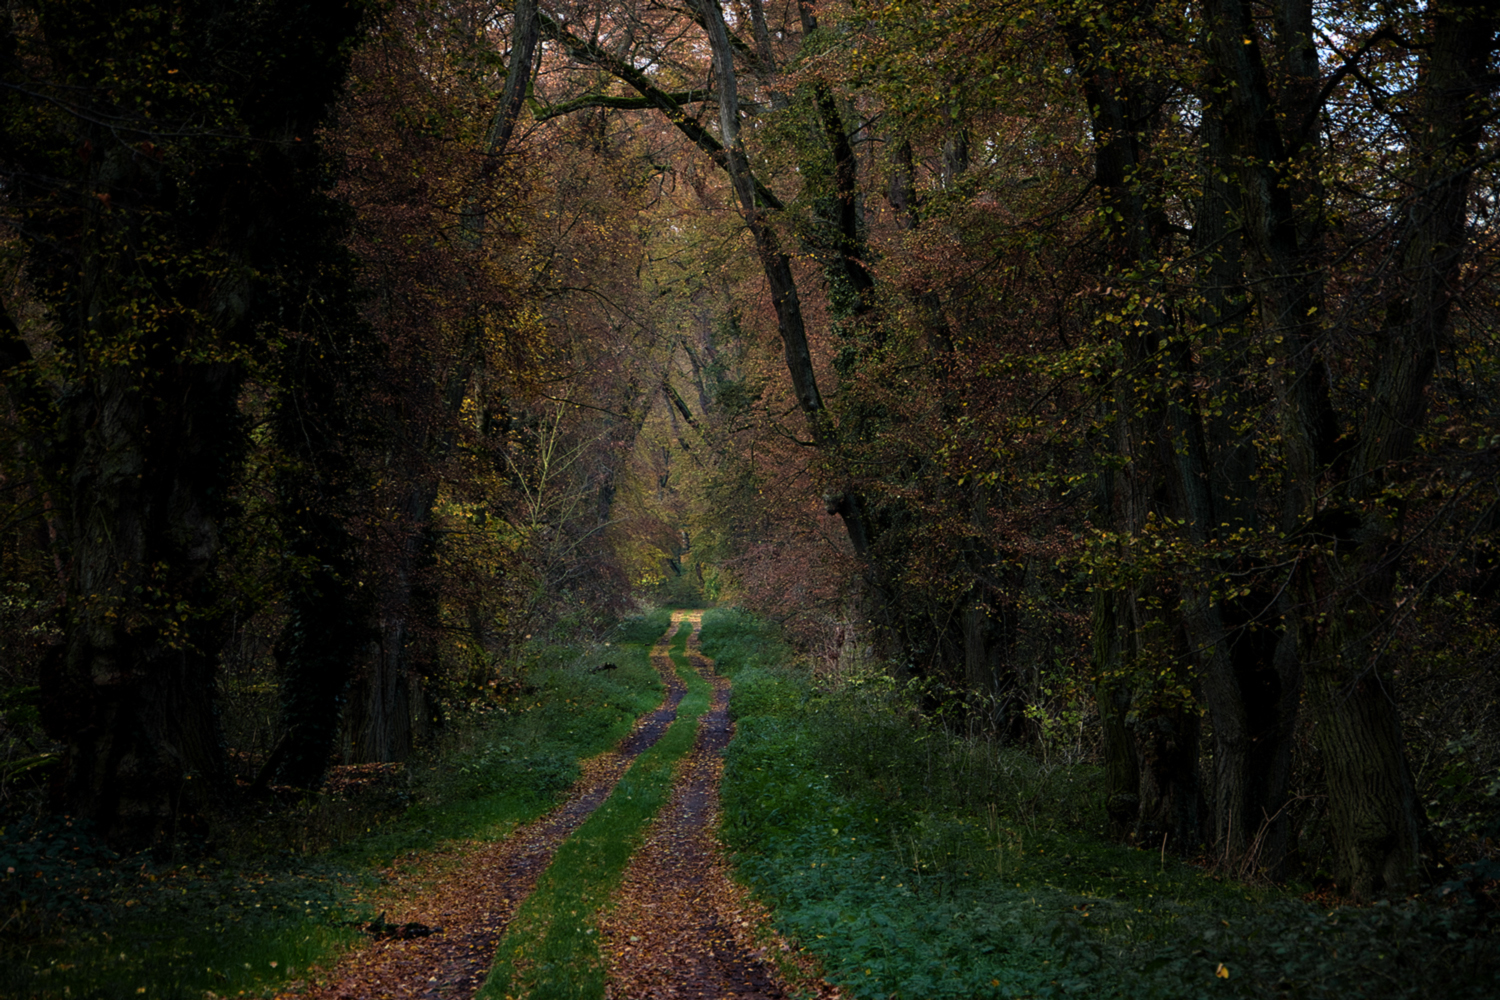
(184, 931)
(916, 864)
(511, 768)
(550, 951)
(252, 922)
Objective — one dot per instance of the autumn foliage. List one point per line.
(1118, 363)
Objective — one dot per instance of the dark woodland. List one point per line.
(1103, 387)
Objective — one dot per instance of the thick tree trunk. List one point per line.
(1372, 803)
(1122, 775)
(1235, 659)
(325, 630)
(1346, 574)
(385, 732)
(1252, 681)
(1150, 654)
(134, 695)
(380, 718)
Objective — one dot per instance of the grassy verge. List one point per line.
(550, 951)
(252, 921)
(919, 865)
(514, 766)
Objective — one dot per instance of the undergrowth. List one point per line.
(550, 950)
(918, 864)
(79, 922)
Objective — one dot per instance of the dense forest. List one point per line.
(1119, 379)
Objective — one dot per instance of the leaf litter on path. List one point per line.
(471, 903)
(679, 926)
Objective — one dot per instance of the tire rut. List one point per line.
(474, 903)
(679, 927)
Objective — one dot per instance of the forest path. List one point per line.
(679, 926)
(475, 899)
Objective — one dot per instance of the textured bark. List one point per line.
(384, 722)
(765, 53)
(1238, 678)
(853, 282)
(378, 716)
(517, 78)
(1122, 776)
(1372, 805)
(320, 646)
(902, 187)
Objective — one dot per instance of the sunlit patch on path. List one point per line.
(679, 926)
(475, 900)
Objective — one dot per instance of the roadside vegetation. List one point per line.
(248, 916)
(908, 857)
(915, 862)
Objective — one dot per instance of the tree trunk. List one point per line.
(1122, 775)
(1346, 573)
(1372, 803)
(325, 631)
(1150, 654)
(134, 696)
(379, 722)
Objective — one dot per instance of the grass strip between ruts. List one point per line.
(551, 949)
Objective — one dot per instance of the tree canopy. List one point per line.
(1100, 363)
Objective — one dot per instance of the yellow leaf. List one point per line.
(1221, 971)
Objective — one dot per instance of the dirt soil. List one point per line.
(679, 926)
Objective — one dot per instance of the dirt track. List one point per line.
(678, 926)
(474, 902)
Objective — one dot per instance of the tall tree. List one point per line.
(159, 158)
(1344, 471)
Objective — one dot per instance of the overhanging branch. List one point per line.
(619, 102)
(655, 97)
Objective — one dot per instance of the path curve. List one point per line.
(475, 901)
